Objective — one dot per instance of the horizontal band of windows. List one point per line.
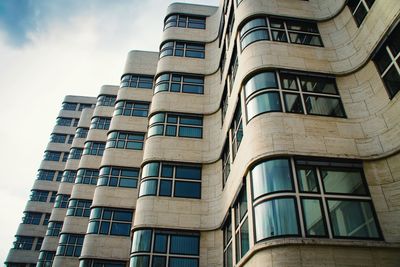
(125, 140)
(185, 21)
(179, 83)
(106, 100)
(107, 221)
(132, 108)
(118, 177)
(137, 81)
(182, 49)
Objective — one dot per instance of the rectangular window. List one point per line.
(182, 49)
(39, 195)
(46, 219)
(236, 130)
(70, 245)
(102, 123)
(52, 155)
(58, 138)
(359, 9)
(106, 100)
(132, 108)
(79, 207)
(228, 254)
(32, 218)
(106, 221)
(137, 81)
(387, 61)
(62, 121)
(170, 124)
(94, 148)
(82, 106)
(118, 177)
(87, 176)
(179, 83)
(65, 156)
(70, 138)
(23, 242)
(45, 175)
(125, 140)
(224, 104)
(241, 224)
(233, 66)
(69, 106)
(168, 179)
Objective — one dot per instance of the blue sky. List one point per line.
(53, 48)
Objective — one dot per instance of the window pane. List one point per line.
(190, 132)
(271, 176)
(139, 261)
(141, 241)
(276, 217)
(122, 229)
(288, 81)
(187, 245)
(148, 187)
(159, 261)
(254, 23)
(260, 81)
(293, 103)
(254, 36)
(186, 172)
(307, 179)
(318, 85)
(360, 14)
(165, 188)
(183, 262)
(313, 219)
(352, 219)
(319, 105)
(187, 189)
(160, 244)
(344, 182)
(150, 169)
(392, 80)
(267, 102)
(244, 238)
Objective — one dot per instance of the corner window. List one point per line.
(185, 21)
(68, 176)
(54, 228)
(75, 153)
(301, 93)
(177, 248)
(107, 221)
(61, 201)
(182, 49)
(359, 9)
(132, 108)
(179, 83)
(118, 177)
(81, 132)
(387, 61)
(168, 179)
(137, 81)
(171, 124)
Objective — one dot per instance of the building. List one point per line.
(264, 133)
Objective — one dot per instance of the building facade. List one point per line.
(263, 133)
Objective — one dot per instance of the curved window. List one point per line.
(101, 263)
(125, 140)
(61, 201)
(185, 21)
(179, 83)
(171, 124)
(168, 179)
(79, 207)
(281, 30)
(137, 81)
(75, 153)
(106, 100)
(182, 49)
(54, 228)
(94, 148)
(118, 177)
(107, 221)
(102, 123)
(70, 245)
(87, 176)
(69, 176)
(45, 258)
(132, 108)
(329, 190)
(162, 246)
(81, 132)
(284, 91)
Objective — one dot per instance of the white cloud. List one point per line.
(72, 55)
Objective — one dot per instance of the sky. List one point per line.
(53, 48)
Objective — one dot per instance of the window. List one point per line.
(81, 132)
(65, 156)
(61, 201)
(54, 228)
(106, 100)
(52, 155)
(301, 93)
(23, 242)
(387, 60)
(236, 130)
(58, 138)
(46, 219)
(62, 121)
(75, 153)
(39, 195)
(102, 123)
(241, 225)
(118, 177)
(82, 106)
(125, 140)
(39, 243)
(169, 179)
(331, 191)
(233, 66)
(32, 218)
(107, 221)
(226, 162)
(175, 248)
(228, 254)
(132, 108)
(70, 245)
(222, 61)
(87, 176)
(69, 106)
(45, 258)
(101, 263)
(238, 2)
(59, 176)
(170, 124)
(70, 138)
(229, 27)
(359, 9)
(282, 30)
(184, 21)
(94, 148)
(182, 49)
(79, 207)
(179, 83)
(69, 176)
(224, 104)
(45, 175)
(76, 121)
(53, 196)
(137, 81)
